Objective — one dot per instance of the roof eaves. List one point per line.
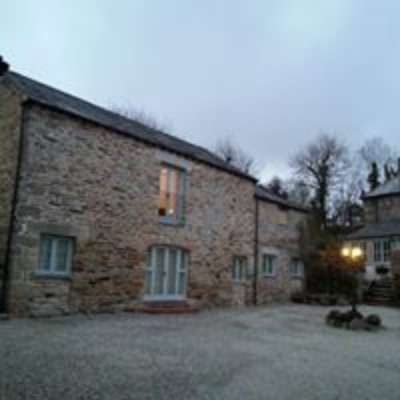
(281, 202)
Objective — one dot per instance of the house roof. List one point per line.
(58, 100)
(388, 188)
(263, 194)
(388, 228)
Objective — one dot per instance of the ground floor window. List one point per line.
(269, 264)
(296, 269)
(166, 272)
(55, 254)
(238, 269)
(381, 251)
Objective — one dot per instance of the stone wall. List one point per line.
(381, 209)
(10, 119)
(278, 234)
(102, 188)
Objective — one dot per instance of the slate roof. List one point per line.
(263, 194)
(388, 188)
(58, 100)
(382, 229)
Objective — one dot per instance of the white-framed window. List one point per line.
(386, 250)
(237, 269)
(382, 250)
(269, 264)
(171, 200)
(396, 243)
(55, 255)
(166, 272)
(296, 269)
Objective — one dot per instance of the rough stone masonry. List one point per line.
(62, 174)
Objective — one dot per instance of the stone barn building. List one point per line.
(100, 213)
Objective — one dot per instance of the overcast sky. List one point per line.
(269, 74)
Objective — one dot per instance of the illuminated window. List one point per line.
(172, 194)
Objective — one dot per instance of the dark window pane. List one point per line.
(45, 253)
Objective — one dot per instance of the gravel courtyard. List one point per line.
(276, 352)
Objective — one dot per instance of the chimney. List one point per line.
(3, 66)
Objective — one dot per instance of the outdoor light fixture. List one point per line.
(356, 252)
(346, 251)
(353, 254)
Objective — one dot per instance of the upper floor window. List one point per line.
(55, 255)
(238, 269)
(296, 268)
(269, 264)
(172, 194)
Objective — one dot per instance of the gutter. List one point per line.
(255, 275)
(11, 226)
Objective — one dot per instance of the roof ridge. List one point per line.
(69, 103)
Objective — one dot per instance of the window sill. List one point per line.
(51, 276)
(297, 277)
(265, 276)
(164, 221)
(238, 283)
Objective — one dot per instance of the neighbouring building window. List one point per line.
(381, 251)
(269, 264)
(238, 269)
(386, 250)
(296, 269)
(55, 255)
(396, 244)
(166, 272)
(378, 251)
(172, 194)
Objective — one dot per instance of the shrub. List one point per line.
(381, 270)
(374, 320)
(298, 297)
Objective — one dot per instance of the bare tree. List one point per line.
(373, 159)
(376, 150)
(298, 192)
(321, 165)
(141, 116)
(233, 154)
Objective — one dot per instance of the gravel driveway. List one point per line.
(276, 352)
